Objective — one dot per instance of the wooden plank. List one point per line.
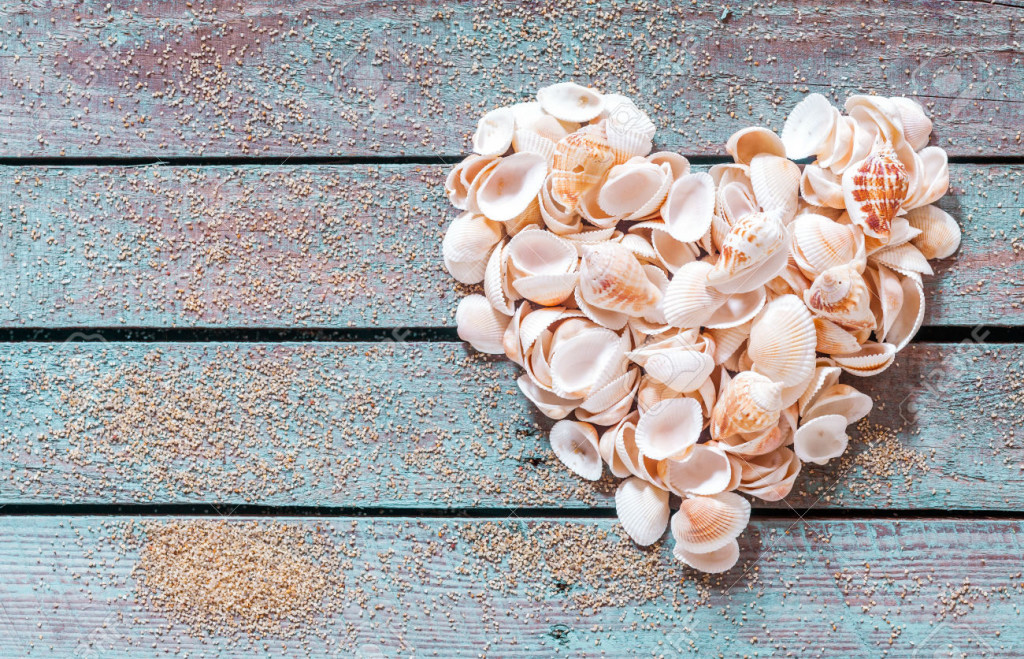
(427, 425)
(513, 587)
(336, 246)
(178, 78)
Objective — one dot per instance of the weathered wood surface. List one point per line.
(338, 246)
(513, 587)
(427, 425)
(179, 78)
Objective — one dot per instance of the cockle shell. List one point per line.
(821, 439)
(841, 399)
(494, 132)
(704, 470)
(904, 258)
(713, 562)
(550, 404)
(933, 178)
(585, 362)
(917, 127)
(635, 189)
(642, 509)
(629, 129)
(783, 340)
(557, 218)
(532, 253)
(669, 429)
(461, 179)
(671, 254)
(754, 251)
(612, 402)
(611, 278)
(752, 443)
(467, 245)
(874, 190)
(940, 233)
(771, 476)
(750, 403)
(871, 359)
(689, 207)
(689, 301)
(679, 368)
(480, 325)
(738, 309)
(706, 523)
(808, 126)
(568, 101)
(841, 295)
(821, 187)
(878, 112)
(820, 244)
(575, 444)
(511, 186)
(833, 339)
(748, 142)
(910, 317)
(776, 185)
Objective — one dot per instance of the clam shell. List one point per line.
(713, 562)
(704, 470)
(841, 399)
(467, 246)
(462, 177)
(770, 477)
(871, 359)
(910, 317)
(494, 132)
(754, 252)
(585, 362)
(551, 405)
(821, 187)
(669, 429)
(750, 403)
(480, 325)
(568, 101)
(917, 127)
(940, 233)
(679, 165)
(748, 142)
(776, 184)
(533, 253)
(689, 301)
(874, 190)
(753, 443)
(575, 444)
(739, 308)
(820, 244)
(808, 126)
(680, 369)
(612, 278)
(821, 439)
(841, 295)
(838, 151)
(833, 339)
(905, 259)
(634, 190)
(826, 374)
(706, 523)
(606, 446)
(511, 186)
(642, 509)
(547, 290)
(689, 207)
(783, 340)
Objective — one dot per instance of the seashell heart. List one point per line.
(688, 329)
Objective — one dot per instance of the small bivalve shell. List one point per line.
(821, 439)
(494, 132)
(874, 190)
(460, 182)
(706, 523)
(704, 470)
(822, 187)
(783, 341)
(752, 141)
(612, 278)
(841, 399)
(713, 562)
(833, 339)
(575, 444)
(770, 477)
(841, 295)
(567, 101)
(917, 127)
(808, 126)
(940, 233)
(820, 244)
(753, 253)
(467, 246)
(776, 185)
(480, 325)
(689, 207)
(512, 186)
(750, 403)
(585, 362)
(871, 359)
(689, 301)
(634, 190)
(669, 429)
(642, 509)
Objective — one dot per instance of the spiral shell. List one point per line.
(874, 190)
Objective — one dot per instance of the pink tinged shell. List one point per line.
(461, 179)
(871, 359)
(551, 405)
(613, 320)
(606, 446)
(940, 233)
(580, 162)
(634, 190)
(841, 295)
(755, 250)
(689, 301)
(905, 259)
(911, 314)
(739, 308)
(750, 403)
(680, 369)
(808, 126)
(821, 439)
(748, 142)
(878, 111)
(833, 339)
(494, 132)
(917, 127)
(575, 444)
(568, 101)
(821, 187)
(774, 475)
(783, 341)
(540, 253)
(706, 523)
(704, 470)
(642, 509)
(612, 278)
(480, 325)
(496, 281)
(826, 374)
(679, 165)
(585, 362)
(547, 290)
(838, 151)
(714, 562)
(776, 184)
(874, 190)
(511, 186)
(470, 239)
(669, 429)
(820, 244)
(841, 399)
(934, 176)
(601, 407)
(689, 206)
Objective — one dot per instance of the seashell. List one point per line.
(511, 186)
(879, 112)
(706, 523)
(821, 439)
(728, 340)
(612, 320)
(833, 339)
(770, 477)
(551, 405)
(467, 245)
(612, 278)
(467, 272)
(841, 295)
(689, 207)
(679, 165)
(567, 101)
(680, 369)
(917, 127)
(494, 132)
(776, 185)
(532, 253)
(461, 179)
(908, 320)
(754, 252)
(838, 152)
(783, 340)
(530, 218)
(669, 429)
(748, 142)
(753, 443)
(739, 308)
(629, 129)
(642, 509)
(940, 233)
(808, 126)
(480, 325)
(820, 244)
(606, 447)
(689, 301)
(821, 187)
(734, 201)
(634, 190)
(575, 444)
(874, 190)
(612, 402)
(547, 290)
(904, 259)
(580, 162)
(671, 254)
(713, 562)
(933, 181)
(638, 464)
(750, 403)
(558, 218)
(528, 141)
(871, 359)
(704, 470)
(585, 362)
(826, 374)
(841, 399)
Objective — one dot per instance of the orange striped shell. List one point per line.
(874, 191)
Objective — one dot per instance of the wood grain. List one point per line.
(430, 425)
(179, 78)
(337, 246)
(513, 587)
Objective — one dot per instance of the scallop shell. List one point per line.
(689, 301)
(821, 187)
(550, 405)
(528, 141)
(606, 446)
(567, 101)
(826, 374)
(611, 278)
(917, 127)
(585, 362)
(770, 477)
(494, 132)
(841, 295)
(776, 185)
(704, 470)
(755, 250)
(739, 308)
(679, 165)
(575, 444)
(480, 325)
(783, 340)
(908, 321)
(713, 562)
(635, 189)
(904, 259)
(689, 207)
(820, 244)
(511, 186)
(940, 233)
(460, 180)
(808, 126)
(841, 399)
(833, 339)
(821, 439)
(532, 253)
(706, 523)
(934, 177)
(629, 129)
(669, 429)
(871, 359)
(750, 403)
(748, 142)
(467, 246)
(642, 509)
(874, 190)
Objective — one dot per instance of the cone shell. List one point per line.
(611, 278)
(575, 444)
(480, 325)
(750, 403)
(567, 101)
(642, 509)
(841, 295)
(874, 190)
(940, 233)
(706, 523)
(821, 439)
(783, 340)
(669, 428)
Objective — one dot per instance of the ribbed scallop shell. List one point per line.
(704, 470)
(841, 295)
(612, 278)
(821, 439)
(820, 244)
(874, 191)
(905, 259)
(480, 325)
(669, 428)
(634, 190)
(642, 509)
(783, 340)
(689, 301)
(706, 523)
(469, 240)
(575, 444)
(833, 339)
(494, 132)
(808, 126)
(841, 399)
(776, 184)
(871, 359)
(940, 233)
(917, 127)
(750, 403)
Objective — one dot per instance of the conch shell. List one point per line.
(874, 190)
(750, 403)
(612, 278)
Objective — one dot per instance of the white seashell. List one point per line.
(770, 477)
(612, 278)
(528, 141)
(679, 165)
(833, 339)
(575, 444)
(734, 201)
(461, 179)
(933, 181)
(940, 233)
(634, 190)
(533, 253)
(669, 429)
(585, 362)
(750, 403)
(612, 320)
(821, 187)
(494, 132)
(470, 238)
(728, 340)
(776, 185)
(689, 301)
(753, 443)
(704, 470)
(808, 126)
(511, 186)
(841, 399)
(783, 340)
(877, 111)
(905, 259)
(838, 151)
(874, 190)
(841, 295)
(917, 127)
(603, 408)
(568, 101)
(558, 218)
(821, 439)
(606, 446)
(689, 207)
(680, 369)
(713, 562)
(908, 321)
(671, 254)
(480, 325)
(551, 405)
(547, 290)
(580, 162)
(642, 509)
(496, 282)
(820, 244)
(754, 252)
(871, 359)
(826, 374)
(739, 308)
(706, 523)
(748, 142)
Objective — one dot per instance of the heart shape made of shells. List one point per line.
(688, 329)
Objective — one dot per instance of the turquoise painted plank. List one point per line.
(179, 78)
(549, 587)
(336, 246)
(431, 425)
